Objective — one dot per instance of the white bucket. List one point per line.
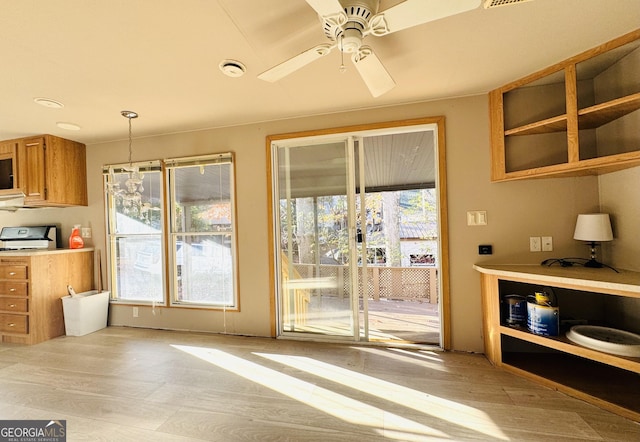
(85, 312)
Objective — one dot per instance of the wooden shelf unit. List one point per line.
(606, 380)
(587, 100)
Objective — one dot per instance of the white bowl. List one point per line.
(605, 339)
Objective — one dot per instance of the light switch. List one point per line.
(477, 218)
(471, 219)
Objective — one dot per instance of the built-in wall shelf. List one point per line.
(577, 117)
(592, 295)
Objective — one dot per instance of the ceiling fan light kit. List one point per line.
(346, 23)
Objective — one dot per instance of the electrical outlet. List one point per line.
(85, 232)
(547, 244)
(135, 312)
(534, 244)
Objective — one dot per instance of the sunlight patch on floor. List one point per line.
(427, 355)
(446, 410)
(433, 362)
(337, 405)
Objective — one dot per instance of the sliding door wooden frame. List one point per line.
(439, 121)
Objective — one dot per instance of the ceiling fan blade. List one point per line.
(325, 8)
(372, 71)
(416, 12)
(293, 64)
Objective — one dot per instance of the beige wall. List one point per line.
(516, 210)
(620, 197)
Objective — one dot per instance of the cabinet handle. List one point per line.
(12, 306)
(12, 273)
(12, 289)
(31, 144)
(11, 324)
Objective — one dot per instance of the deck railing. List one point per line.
(409, 283)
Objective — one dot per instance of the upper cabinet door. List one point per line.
(52, 172)
(34, 170)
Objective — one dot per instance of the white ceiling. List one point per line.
(160, 59)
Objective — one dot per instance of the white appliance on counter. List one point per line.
(29, 237)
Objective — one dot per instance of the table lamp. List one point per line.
(593, 228)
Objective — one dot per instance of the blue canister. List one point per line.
(515, 309)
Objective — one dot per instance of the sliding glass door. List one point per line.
(316, 237)
(356, 236)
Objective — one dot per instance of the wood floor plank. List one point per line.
(211, 426)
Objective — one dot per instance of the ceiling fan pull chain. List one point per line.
(343, 68)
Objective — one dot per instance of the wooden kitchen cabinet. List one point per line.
(52, 172)
(577, 117)
(31, 287)
(597, 296)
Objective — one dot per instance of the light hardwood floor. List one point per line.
(125, 384)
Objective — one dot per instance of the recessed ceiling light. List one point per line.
(47, 102)
(232, 68)
(67, 126)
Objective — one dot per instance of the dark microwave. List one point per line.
(6, 173)
(8, 167)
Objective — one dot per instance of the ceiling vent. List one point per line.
(232, 68)
(495, 3)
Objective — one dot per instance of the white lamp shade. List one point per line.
(593, 227)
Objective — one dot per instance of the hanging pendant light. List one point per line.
(130, 197)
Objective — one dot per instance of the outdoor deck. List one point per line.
(402, 302)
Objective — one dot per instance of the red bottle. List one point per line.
(75, 240)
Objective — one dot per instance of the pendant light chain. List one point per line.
(129, 198)
(342, 68)
(130, 151)
(129, 115)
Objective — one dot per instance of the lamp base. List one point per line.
(593, 264)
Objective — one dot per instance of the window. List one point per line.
(202, 232)
(200, 264)
(134, 232)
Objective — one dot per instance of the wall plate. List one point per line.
(485, 249)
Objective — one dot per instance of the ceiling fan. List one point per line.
(347, 22)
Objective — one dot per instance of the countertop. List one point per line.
(589, 278)
(33, 252)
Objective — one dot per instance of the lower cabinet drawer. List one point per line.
(13, 323)
(13, 288)
(13, 271)
(13, 305)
